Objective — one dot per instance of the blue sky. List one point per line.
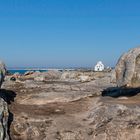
(67, 33)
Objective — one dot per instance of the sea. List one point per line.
(22, 71)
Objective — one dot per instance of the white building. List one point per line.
(99, 66)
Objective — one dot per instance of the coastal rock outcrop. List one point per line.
(84, 78)
(69, 75)
(2, 72)
(77, 76)
(3, 107)
(68, 109)
(128, 69)
(4, 120)
(43, 76)
(89, 76)
(28, 73)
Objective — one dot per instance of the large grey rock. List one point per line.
(67, 75)
(28, 73)
(3, 108)
(128, 69)
(2, 72)
(45, 76)
(3, 120)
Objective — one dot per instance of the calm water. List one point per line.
(23, 71)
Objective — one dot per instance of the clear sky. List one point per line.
(67, 33)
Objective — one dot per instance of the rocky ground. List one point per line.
(74, 106)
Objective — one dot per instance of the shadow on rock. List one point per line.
(10, 120)
(120, 91)
(8, 97)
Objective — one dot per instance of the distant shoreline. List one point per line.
(22, 71)
(36, 69)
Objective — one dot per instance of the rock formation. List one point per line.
(69, 106)
(3, 108)
(4, 120)
(128, 69)
(2, 72)
(66, 108)
(43, 76)
(115, 119)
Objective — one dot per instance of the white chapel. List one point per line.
(99, 66)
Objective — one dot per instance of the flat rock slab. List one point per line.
(71, 111)
(88, 118)
(52, 97)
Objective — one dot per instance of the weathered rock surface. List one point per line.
(55, 111)
(43, 76)
(3, 120)
(115, 119)
(128, 69)
(2, 72)
(84, 76)
(3, 108)
(69, 75)
(28, 73)
(68, 109)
